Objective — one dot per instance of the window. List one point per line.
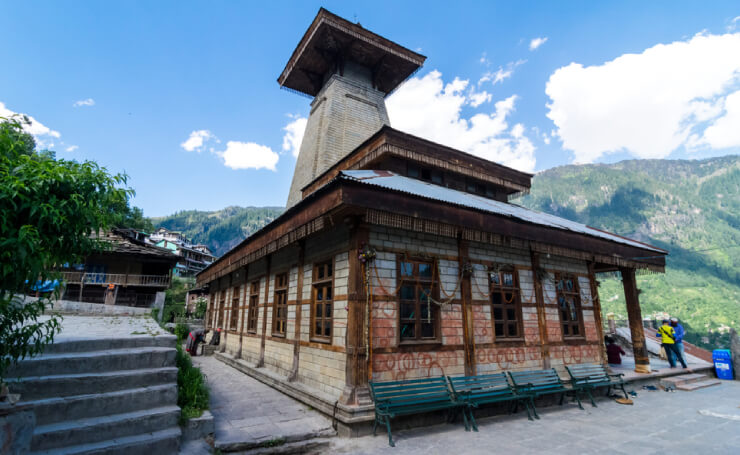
(417, 314)
(424, 173)
(221, 305)
(280, 305)
(321, 316)
(505, 304)
(569, 305)
(253, 311)
(234, 320)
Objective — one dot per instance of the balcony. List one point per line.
(120, 279)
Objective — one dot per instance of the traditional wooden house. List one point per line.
(401, 258)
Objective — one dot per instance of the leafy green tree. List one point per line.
(48, 209)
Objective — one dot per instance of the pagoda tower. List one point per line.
(348, 71)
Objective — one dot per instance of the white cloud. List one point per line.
(248, 155)
(537, 42)
(478, 98)
(725, 132)
(38, 130)
(197, 140)
(733, 24)
(429, 108)
(648, 104)
(294, 135)
(85, 102)
(501, 74)
(71, 148)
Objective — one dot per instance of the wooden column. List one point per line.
(225, 317)
(466, 294)
(634, 314)
(243, 305)
(596, 301)
(539, 295)
(298, 304)
(356, 390)
(261, 361)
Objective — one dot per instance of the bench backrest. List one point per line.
(411, 391)
(536, 379)
(489, 385)
(587, 372)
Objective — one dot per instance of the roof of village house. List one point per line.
(330, 38)
(392, 181)
(122, 244)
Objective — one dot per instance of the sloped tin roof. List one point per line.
(392, 181)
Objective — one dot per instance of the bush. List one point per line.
(192, 391)
(181, 331)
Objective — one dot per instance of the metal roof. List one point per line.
(392, 181)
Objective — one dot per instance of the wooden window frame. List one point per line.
(280, 302)
(501, 290)
(253, 310)
(420, 170)
(575, 294)
(221, 305)
(234, 325)
(434, 313)
(322, 283)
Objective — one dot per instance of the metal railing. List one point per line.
(116, 278)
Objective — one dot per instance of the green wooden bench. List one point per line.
(590, 376)
(537, 383)
(487, 388)
(412, 396)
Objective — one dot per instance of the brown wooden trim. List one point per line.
(418, 255)
(280, 289)
(634, 315)
(315, 282)
(596, 305)
(298, 311)
(436, 313)
(579, 305)
(261, 361)
(466, 292)
(541, 315)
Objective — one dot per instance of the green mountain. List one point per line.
(220, 230)
(690, 208)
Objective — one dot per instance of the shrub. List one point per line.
(192, 391)
(181, 331)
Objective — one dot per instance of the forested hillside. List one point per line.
(691, 208)
(220, 230)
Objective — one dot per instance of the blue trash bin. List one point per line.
(723, 363)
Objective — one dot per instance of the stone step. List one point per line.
(691, 386)
(64, 385)
(163, 442)
(97, 361)
(674, 381)
(96, 429)
(106, 344)
(52, 410)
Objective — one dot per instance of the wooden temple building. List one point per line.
(400, 258)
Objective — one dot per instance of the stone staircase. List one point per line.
(102, 396)
(689, 382)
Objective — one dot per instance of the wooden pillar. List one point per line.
(261, 361)
(82, 286)
(596, 301)
(466, 294)
(298, 310)
(634, 314)
(356, 390)
(242, 306)
(539, 295)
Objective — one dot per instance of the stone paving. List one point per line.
(703, 421)
(96, 327)
(248, 413)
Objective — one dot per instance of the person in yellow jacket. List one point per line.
(667, 336)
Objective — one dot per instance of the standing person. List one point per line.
(668, 340)
(614, 352)
(195, 338)
(680, 332)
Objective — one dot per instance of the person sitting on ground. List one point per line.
(680, 332)
(195, 338)
(668, 341)
(614, 352)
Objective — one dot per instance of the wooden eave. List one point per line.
(331, 39)
(341, 198)
(389, 141)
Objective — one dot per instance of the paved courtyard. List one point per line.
(76, 327)
(703, 421)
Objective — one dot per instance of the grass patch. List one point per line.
(274, 442)
(192, 391)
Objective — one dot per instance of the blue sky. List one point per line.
(127, 83)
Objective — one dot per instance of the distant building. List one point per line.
(131, 272)
(193, 258)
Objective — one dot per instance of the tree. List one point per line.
(48, 210)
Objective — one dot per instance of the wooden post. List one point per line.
(356, 390)
(539, 295)
(596, 302)
(261, 361)
(466, 294)
(298, 311)
(243, 305)
(634, 314)
(82, 286)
